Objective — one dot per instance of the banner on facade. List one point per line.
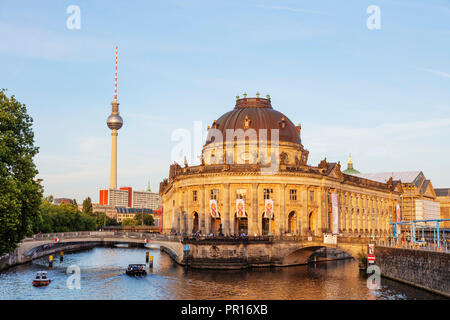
(240, 208)
(399, 218)
(335, 212)
(213, 208)
(268, 208)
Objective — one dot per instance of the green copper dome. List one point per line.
(350, 169)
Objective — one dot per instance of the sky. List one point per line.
(381, 94)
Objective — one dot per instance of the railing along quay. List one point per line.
(444, 247)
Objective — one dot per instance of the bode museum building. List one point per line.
(254, 178)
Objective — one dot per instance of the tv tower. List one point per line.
(114, 122)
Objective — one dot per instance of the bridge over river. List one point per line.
(204, 252)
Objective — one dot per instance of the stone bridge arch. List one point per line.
(298, 253)
(43, 246)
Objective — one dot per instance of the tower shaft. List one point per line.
(113, 173)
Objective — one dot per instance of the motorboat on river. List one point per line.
(41, 279)
(136, 270)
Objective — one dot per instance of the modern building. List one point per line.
(144, 199)
(443, 196)
(418, 201)
(110, 200)
(254, 178)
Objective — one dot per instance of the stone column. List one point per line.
(188, 227)
(226, 209)
(253, 219)
(201, 214)
(282, 210)
(322, 209)
(303, 214)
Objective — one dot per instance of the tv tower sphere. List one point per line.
(114, 120)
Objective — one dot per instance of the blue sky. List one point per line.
(381, 95)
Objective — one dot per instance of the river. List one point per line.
(103, 277)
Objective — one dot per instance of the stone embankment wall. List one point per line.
(429, 270)
(15, 258)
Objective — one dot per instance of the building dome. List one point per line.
(350, 169)
(114, 121)
(257, 113)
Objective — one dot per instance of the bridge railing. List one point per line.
(391, 243)
(103, 234)
(61, 235)
(226, 239)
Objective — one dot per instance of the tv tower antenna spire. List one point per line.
(114, 122)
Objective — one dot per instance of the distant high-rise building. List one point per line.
(130, 195)
(144, 199)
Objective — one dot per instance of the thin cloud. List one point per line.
(436, 72)
(299, 10)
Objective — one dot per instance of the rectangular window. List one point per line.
(240, 193)
(215, 194)
(293, 194)
(311, 195)
(194, 195)
(268, 193)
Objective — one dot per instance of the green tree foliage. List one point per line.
(147, 218)
(20, 191)
(62, 218)
(129, 222)
(101, 220)
(87, 206)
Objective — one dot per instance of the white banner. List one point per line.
(268, 208)
(329, 238)
(335, 212)
(397, 211)
(240, 208)
(213, 208)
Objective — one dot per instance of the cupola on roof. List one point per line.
(257, 113)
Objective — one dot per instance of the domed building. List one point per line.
(350, 169)
(254, 178)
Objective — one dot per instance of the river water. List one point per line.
(103, 277)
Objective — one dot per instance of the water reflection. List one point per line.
(103, 277)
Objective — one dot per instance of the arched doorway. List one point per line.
(241, 224)
(267, 225)
(195, 223)
(291, 222)
(215, 225)
(312, 221)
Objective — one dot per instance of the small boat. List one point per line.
(136, 270)
(41, 279)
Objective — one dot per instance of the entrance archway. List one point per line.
(241, 224)
(267, 225)
(291, 222)
(215, 225)
(312, 221)
(195, 223)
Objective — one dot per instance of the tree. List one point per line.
(129, 222)
(20, 191)
(102, 220)
(144, 218)
(87, 206)
(62, 218)
(74, 203)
